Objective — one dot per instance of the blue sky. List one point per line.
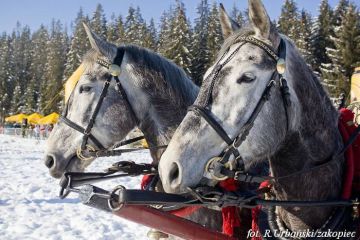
(35, 12)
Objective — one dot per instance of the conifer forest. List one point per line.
(35, 63)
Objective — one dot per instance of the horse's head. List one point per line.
(232, 90)
(113, 120)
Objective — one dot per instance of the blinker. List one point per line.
(281, 66)
(114, 70)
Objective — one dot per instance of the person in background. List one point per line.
(42, 131)
(24, 126)
(37, 132)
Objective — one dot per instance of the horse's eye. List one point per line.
(246, 78)
(85, 89)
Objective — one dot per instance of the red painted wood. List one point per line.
(169, 223)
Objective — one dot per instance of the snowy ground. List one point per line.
(30, 208)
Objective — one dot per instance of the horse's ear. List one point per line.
(103, 47)
(228, 26)
(259, 19)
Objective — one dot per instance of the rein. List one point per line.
(200, 196)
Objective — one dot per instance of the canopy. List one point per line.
(16, 118)
(72, 81)
(34, 118)
(49, 119)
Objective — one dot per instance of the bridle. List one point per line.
(87, 151)
(218, 166)
(222, 166)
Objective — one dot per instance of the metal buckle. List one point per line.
(213, 167)
(80, 155)
(120, 204)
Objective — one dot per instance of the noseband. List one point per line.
(215, 166)
(114, 70)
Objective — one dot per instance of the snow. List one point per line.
(30, 208)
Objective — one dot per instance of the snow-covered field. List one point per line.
(31, 209)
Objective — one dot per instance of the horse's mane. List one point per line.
(156, 73)
(161, 74)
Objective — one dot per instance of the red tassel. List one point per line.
(231, 220)
(230, 215)
(145, 181)
(254, 224)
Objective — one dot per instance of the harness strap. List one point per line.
(95, 113)
(205, 113)
(78, 128)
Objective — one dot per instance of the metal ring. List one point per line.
(81, 156)
(65, 191)
(207, 169)
(113, 192)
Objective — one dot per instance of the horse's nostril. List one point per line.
(49, 161)
(174, 173)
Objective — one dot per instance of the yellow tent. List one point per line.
(49, 119)
(34, 118)
(16, 118)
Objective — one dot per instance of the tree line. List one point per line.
(35, 64)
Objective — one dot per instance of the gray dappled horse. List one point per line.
(158, 91)
(294, 132)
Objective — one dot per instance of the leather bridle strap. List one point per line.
(114, 70)
(82, 130)
(206, 115)
(90, 125)
(233, 145)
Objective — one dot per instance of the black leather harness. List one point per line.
(215, 164)
(86, 151)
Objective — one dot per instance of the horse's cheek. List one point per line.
(115, 117)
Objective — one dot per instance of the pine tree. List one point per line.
(199, 46)
(180, 39)
(304, 40)
(56, 58)
(135, 27)
(39, 56)
(21, 62)
(164, 34)
(288, 23)
(6, 72)
(237, 15)
(339, 12)
(150, 39)
(321, 32)
(345, 54)
(112, 31)
(215, 38)
(120, 31)
(98, 22)
(78, 47)
(17, 101)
